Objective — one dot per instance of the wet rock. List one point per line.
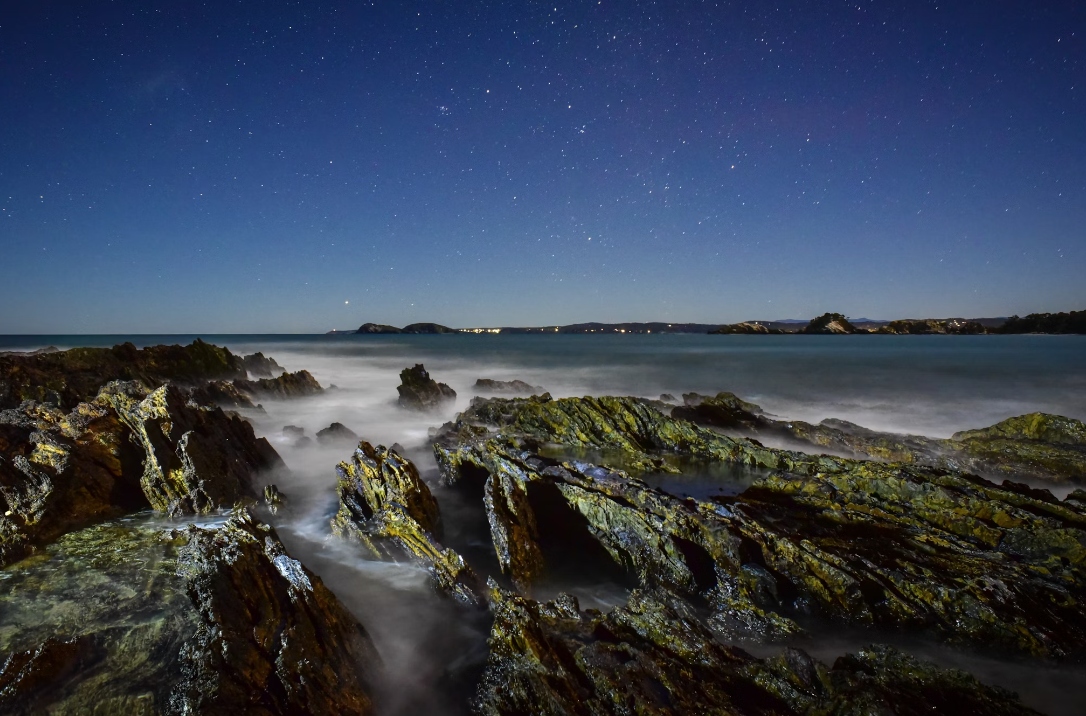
(195, 459)
(127, 617)
(652, 656)
(418, 391)
(855, 542)
(1037, 446)
(222, 394)
(507, 386)
(258, 365)
(76, 375)
(387, 508)
(273, 498)
(60, 472)
(336, 433)
(288, 385)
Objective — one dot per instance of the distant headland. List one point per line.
(826, 324)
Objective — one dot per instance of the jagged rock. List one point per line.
(60, 472)
(384, 503)
(195, 459)
(856, 542)
(273, 498)
(1037, 446)
(506, 386)
(258, 365)
(75, 375)
(667, 398)
(288, 385)
(418, 391)
(336, 433)
(831, 323)
(126, 617)
(293, 431)
(222, 394)
(652, 656)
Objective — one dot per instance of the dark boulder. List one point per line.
(336, 433)
(288, 385)
(507, 386)
(418, 391)
(258, 365)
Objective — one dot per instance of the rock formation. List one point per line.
(258, 365)
(126, 617)
(831, 323)
(336, 433)
(387, 508)
(506, 386)
(418, 391)
(287, 385)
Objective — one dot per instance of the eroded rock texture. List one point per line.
(131, 618)
(386, 506)
(652, 656)
(1036, 446)
(892, 545)
(418, 391)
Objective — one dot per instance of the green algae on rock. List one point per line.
(1037, 446)
(66, 378)
(195, 459)
(383, 504)
(891, 545)
(132, 617)
(653, 656)
(62, 471)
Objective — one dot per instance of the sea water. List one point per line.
(433, 651)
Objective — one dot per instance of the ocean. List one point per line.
(433, 651)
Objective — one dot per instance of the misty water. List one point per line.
(433, 650)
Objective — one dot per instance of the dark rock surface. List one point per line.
(288, 385)
(195, 460)
(69, 377)
(258, 365)
(507, 386)
(1036, 446)
(129, 617)
(388, 509)
(62, 471)
(222, 394)
(652, 656)
(336, 433)
(418, 391)
(892, 545)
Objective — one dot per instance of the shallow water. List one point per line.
(434, 650)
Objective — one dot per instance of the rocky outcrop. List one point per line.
(195, 460)
(831, 323)
(652, 656)
(126, 617)
(388, 509)
(865, 543)
(222, 394)
(62, 471)
(258, 365)
(288, 385)
(744, 328)
(514, 387)
(418, 391)
(336, 433)
(66, 378)
(378, 328)
(1037, 446)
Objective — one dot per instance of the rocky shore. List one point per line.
(110, 604)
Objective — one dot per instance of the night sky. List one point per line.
(253, 167)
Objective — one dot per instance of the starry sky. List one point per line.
(297, 167)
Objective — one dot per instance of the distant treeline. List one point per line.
(1068, 322)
